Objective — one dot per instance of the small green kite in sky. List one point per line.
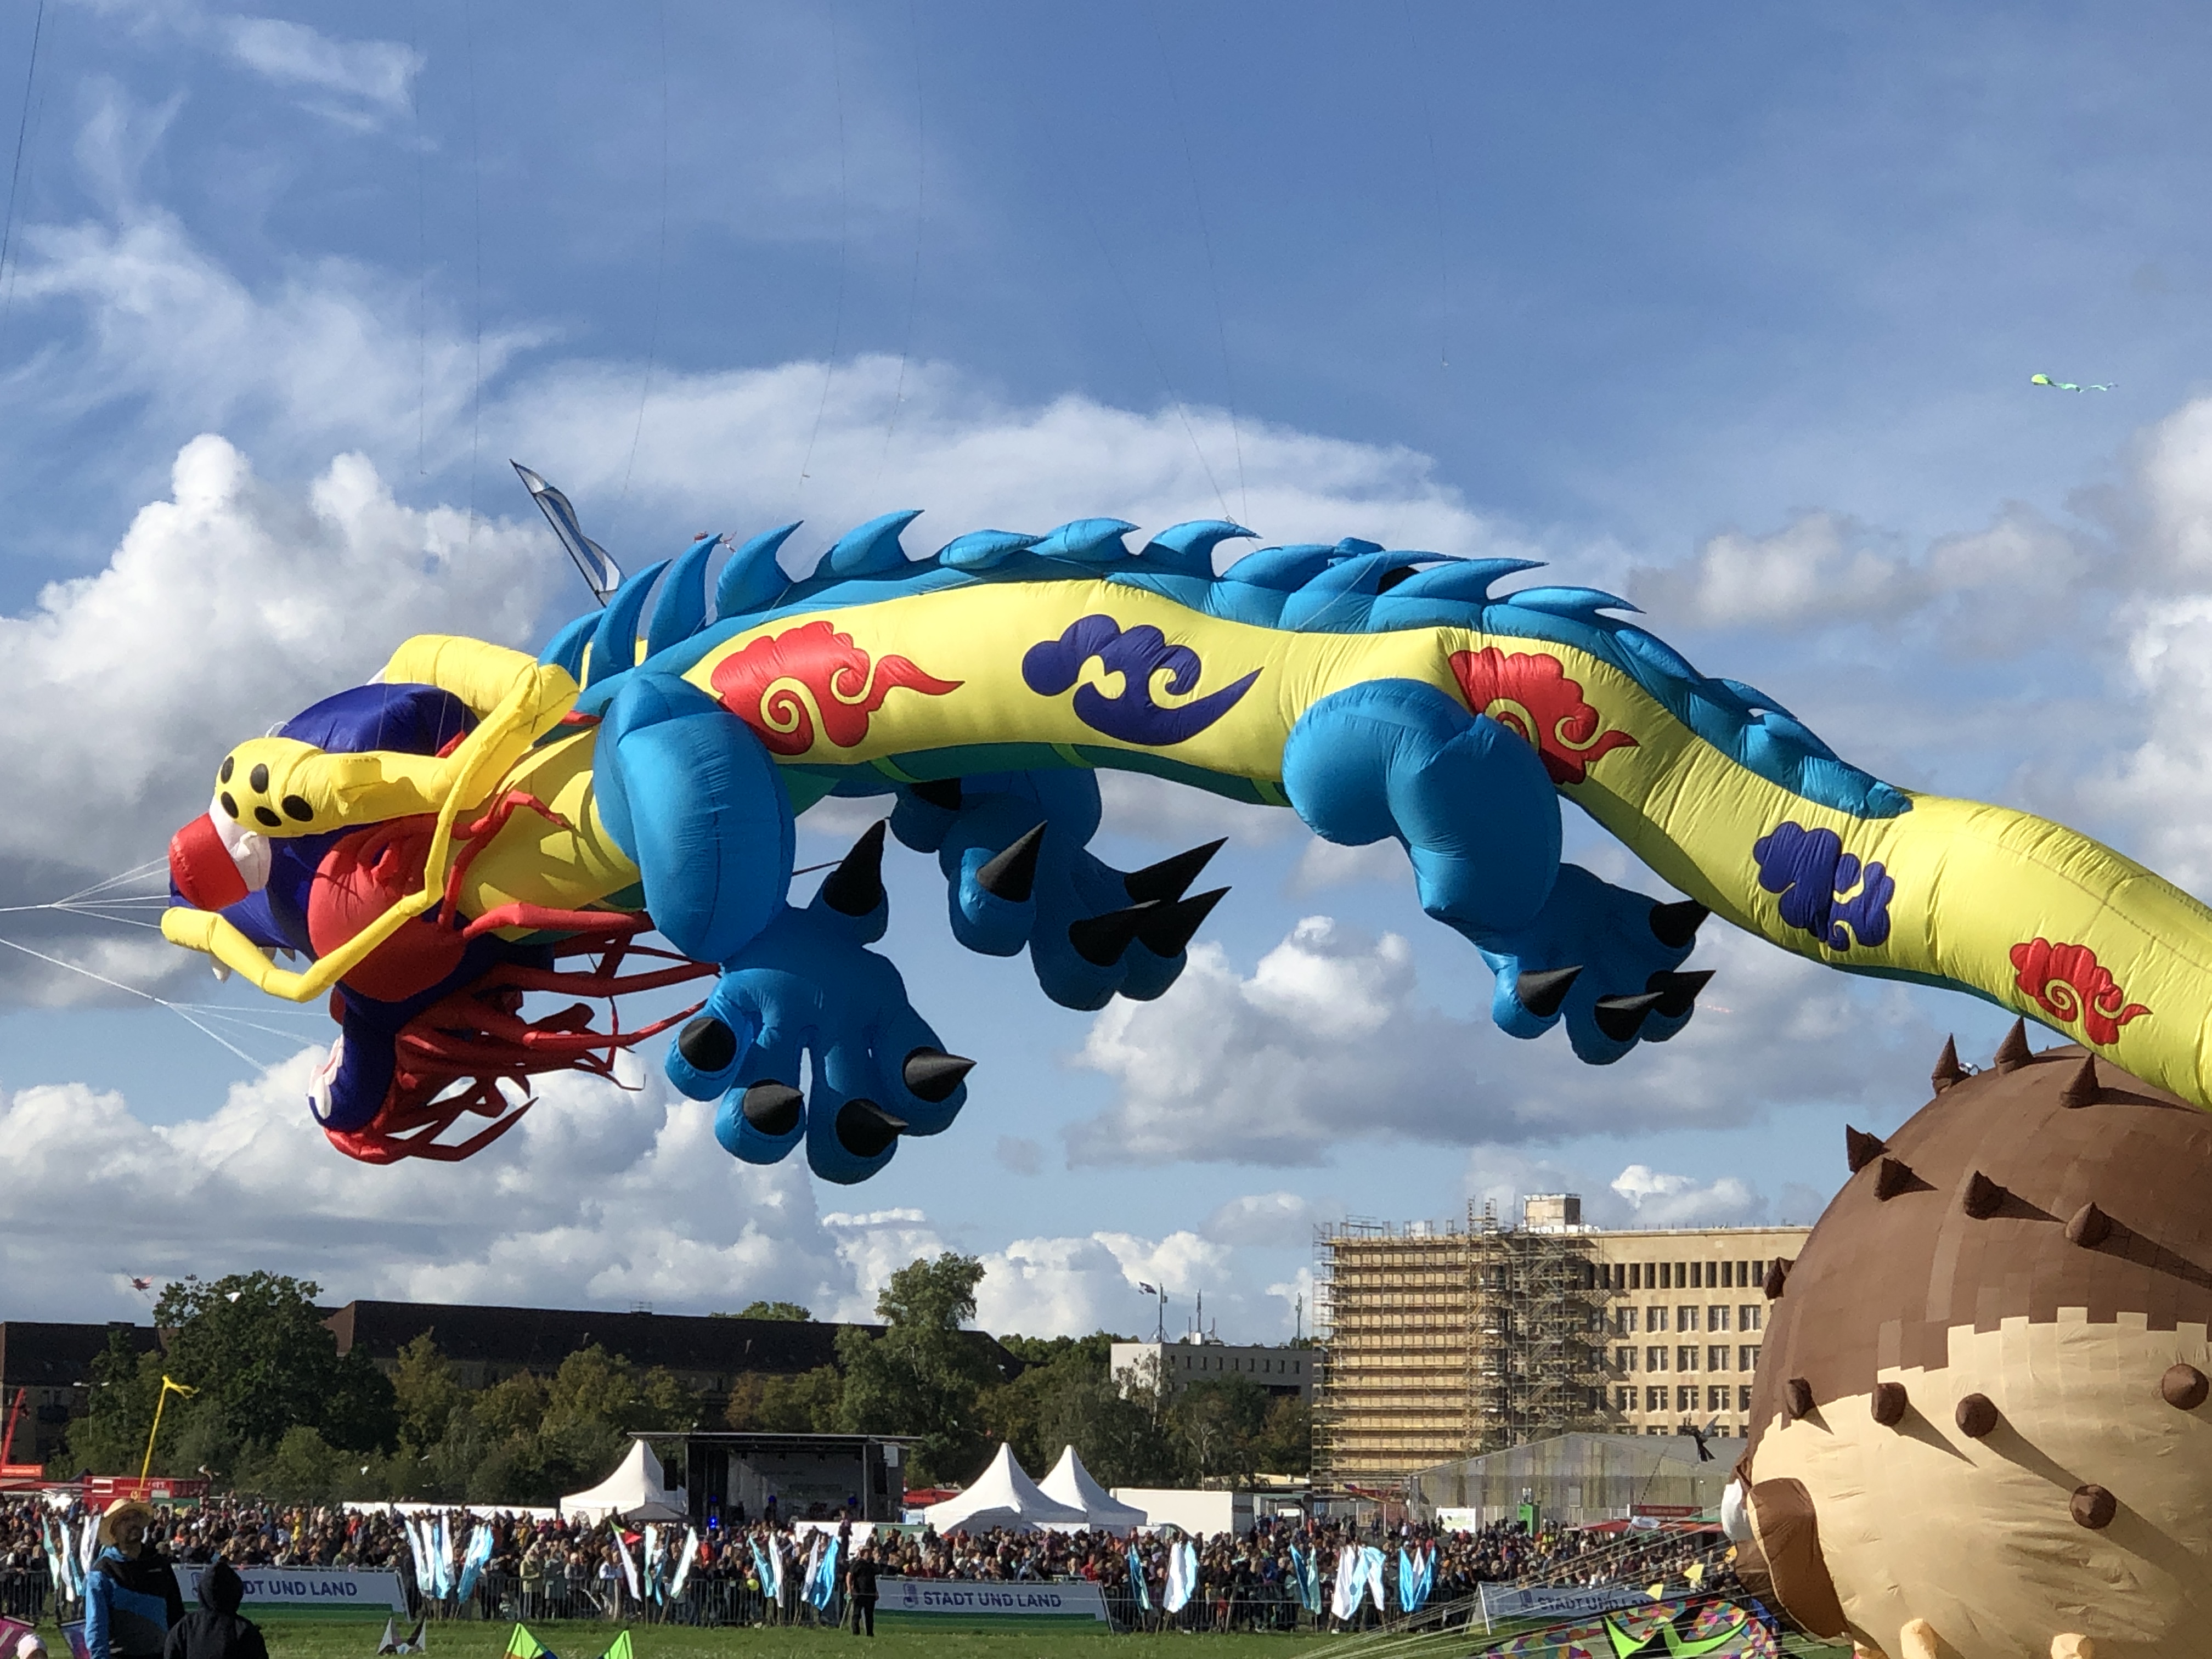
(2068, 386)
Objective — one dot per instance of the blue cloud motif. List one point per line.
(1139, 653)
(1812, 873)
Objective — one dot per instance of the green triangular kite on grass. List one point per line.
(620, 1648)
(523, 1645)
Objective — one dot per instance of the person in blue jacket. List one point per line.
(131, 1595)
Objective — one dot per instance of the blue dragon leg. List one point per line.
(1018, 874)
(1479, 818)
(691, 797)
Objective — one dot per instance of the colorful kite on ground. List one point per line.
(479, 828)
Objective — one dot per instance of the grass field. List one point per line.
(588, 1639)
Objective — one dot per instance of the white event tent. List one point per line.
(1070, 1484)
(636, 1491)
(1002, 1497)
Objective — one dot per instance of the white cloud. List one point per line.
(1279, 1220)
(226, 608)
(1825, 569)
(316, 361)
(601, 1197)
(1325, 864)
(1655, 1198)
(371, 77)
(1325, 1041)
(1020, 1154)
(1329, 1040)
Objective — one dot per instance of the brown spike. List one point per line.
(1983, 1198)
(2013, 1052)
(1778, 1275)
(1947, 1070)
(2089, 1228)
(1977, 1416)
(1888, 1404)
(2184, 1387)
(1799, 1395)
(1860, 1148)
(2080, 1089)
(1892, 1177)
(2093, 1507)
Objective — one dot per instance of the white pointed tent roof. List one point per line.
(1002, 1497)
(636, 1491)
(1070, 1484)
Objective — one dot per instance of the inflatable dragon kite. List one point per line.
(477, 827)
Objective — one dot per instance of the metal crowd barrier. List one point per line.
(24, 1594)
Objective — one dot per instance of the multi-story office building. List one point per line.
(1446, 1340)
(1281, 1372)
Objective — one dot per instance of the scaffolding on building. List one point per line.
(1449, 1341)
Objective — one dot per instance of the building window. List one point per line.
(1624, 1320)
(1655, 1400)
(1743, 1397)
(1685, 1398)
(1686, 1358)
(1716, 1318)
(1717, 1357)
(1624, 1399)
(1654, 1359)
(1746, 1358)
(1655, 1319)
(1716, 1399)
(1748, 1315)
(1624, 1358)
(1686, 1319)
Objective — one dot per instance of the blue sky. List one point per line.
(1730, 309)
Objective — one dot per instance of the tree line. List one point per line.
(275, 1411)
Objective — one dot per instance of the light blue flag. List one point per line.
(473, 1564)
(1137, 1580)
(822, 1584)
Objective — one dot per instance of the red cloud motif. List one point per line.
(1530, 694)
(2067, 982)
(782, 683)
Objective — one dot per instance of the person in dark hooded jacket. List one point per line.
(216, 1632)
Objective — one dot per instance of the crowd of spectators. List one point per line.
(550, 1567)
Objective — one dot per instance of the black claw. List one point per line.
(865, 1128)
(1678, 993)
(1012, 873)
(941, 793)
(930, 1074)
(1170, 879)
(1622, 1017)
(1170, 930)
(707, 1044)
(1101, 939)
(1542, 992)
(1676, 924)
(773, 1108)
(855, 887)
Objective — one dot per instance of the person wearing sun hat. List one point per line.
(131, 1595)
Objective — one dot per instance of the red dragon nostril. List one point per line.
(202, 869)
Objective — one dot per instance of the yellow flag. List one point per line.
(523, 1645)
(1695, 1574)
(1656, 1592)
(170, 1385)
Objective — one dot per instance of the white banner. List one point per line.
(951, 1602)
(310, 1592)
